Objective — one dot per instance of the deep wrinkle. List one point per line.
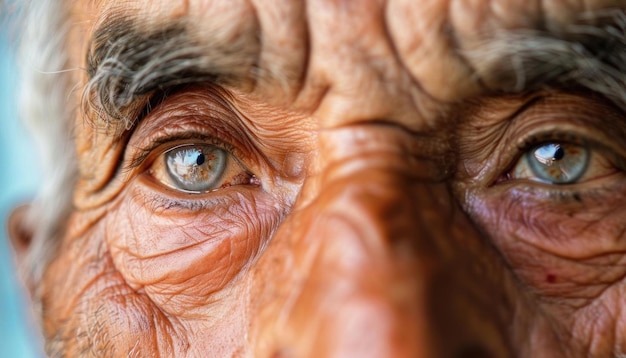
(374, 225)
(184, 223)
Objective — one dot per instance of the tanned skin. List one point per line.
(375, 202)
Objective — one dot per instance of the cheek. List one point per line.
(182, 252)
(562, 247)
(572, 229)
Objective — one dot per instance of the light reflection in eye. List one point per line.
(561, 163)
(198, 168)
(558, 163)
(195, 168)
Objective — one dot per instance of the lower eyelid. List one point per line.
(162, 198)
(528, 191)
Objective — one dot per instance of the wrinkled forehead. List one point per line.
(437, 50)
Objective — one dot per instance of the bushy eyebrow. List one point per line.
(590, 54)
(125, 65)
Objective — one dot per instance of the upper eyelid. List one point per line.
(142, 154)
(567, 137)
(538, 138)
(512, 151)
(213, 121)
(565, 126)
(583, 117)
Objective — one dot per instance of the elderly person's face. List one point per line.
(344, 178)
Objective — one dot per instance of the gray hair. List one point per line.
(588, 53)
(46, 109)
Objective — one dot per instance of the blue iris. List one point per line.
(558, 163)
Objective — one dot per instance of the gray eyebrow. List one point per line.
(591, 55)
(126, 65)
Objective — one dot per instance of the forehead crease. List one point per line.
(443, 32)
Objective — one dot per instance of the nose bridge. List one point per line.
(366, 292)
(384, 182)
(368, 262)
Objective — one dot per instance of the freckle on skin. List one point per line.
(551, 278)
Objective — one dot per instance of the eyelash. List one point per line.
(534, 140)
(143, 157)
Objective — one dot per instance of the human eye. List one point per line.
(198, 168)
(546, 181)
(191, 142)
(194, 200)
(558, 162)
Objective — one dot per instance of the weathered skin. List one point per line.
(375, 228)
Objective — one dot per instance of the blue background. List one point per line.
(19, 175)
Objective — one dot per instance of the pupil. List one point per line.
(200, 159)
(559, 153)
